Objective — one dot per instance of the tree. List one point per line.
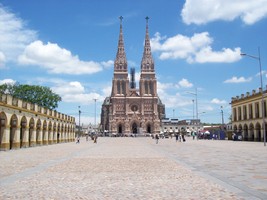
(40, 95)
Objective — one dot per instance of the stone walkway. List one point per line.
(136, 168)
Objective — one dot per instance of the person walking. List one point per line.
(95, 138)
(78, 140)
(176, 136)
(157, 138)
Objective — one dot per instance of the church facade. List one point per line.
(129, 110)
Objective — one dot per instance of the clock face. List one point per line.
(134, 108)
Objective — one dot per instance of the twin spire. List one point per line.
(147, 64)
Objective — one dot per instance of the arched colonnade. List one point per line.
(29, 126)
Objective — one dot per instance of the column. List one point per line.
(25, 137)
(39, 139)
(32, 137)
(5, 140)
(45, 137)
(50, 137)
(16, 138)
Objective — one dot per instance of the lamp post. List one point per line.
(222, 115)
(262, 96)
(196, 102)
(193, 109)
(95, 99)
(79, 129)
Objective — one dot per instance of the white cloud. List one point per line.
(56, 60)
(2, 59)
(194, 49)
(226, 55)
(19, 43)
(14, 35)
(75, 92)
(235, 79)
(107, 64)
(204, 11)
(184, 83)
(173, 100)
(217, 101)
(7, 81)
(107, 91)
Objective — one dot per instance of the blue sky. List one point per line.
(70, 47)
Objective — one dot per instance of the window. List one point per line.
(250, 111)
(257, 110)
(245, 112)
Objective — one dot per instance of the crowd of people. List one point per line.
(92, 136)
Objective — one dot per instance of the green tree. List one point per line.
(41, 95)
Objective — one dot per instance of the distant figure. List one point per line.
(87, 137)
(176, 136)
(157, 138)
(183, 138)
(78, 140)
(95, 138)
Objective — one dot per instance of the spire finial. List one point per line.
(120, 19)
(147, 18)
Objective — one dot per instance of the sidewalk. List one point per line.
(136, 168)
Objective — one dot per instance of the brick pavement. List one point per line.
(136, 168)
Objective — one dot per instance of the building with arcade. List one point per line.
(23, 125)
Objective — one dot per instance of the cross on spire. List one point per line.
(147, 18)
(121, 18)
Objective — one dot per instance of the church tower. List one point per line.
(120, 83)
(148, 81)
(130, 110)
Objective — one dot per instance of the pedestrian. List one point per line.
(95, 138)
(87, 137)
(183, 138)
(176, 136)
(157, 138)
(193, 134)
(78, 140)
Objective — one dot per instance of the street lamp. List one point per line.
(222, 115)
(196, 101)
(95, 113)
(193, 109)
(79, 121)
(262, 99)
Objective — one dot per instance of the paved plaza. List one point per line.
(136, 168)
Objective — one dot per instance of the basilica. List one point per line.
(130, 110)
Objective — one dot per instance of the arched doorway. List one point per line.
(245, 136)
(44, 139)
(58, 133)
(134, 128)
(31, 133)
(54, 133)
(148, 128)
(38, 133)
(119, 129)
(23, 125)
(13, 127)
(258, 132)
(251, 132)
(50, 133)
(3, 121)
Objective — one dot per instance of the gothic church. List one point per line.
(129, 110)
